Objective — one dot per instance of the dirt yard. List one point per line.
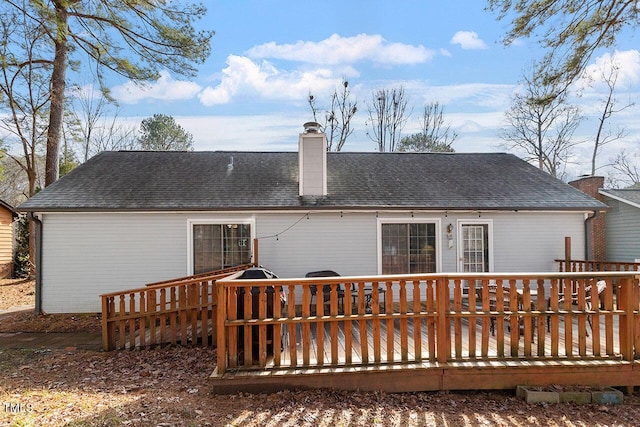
(168, 387)
(16, 293)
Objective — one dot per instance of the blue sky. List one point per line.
(268, 55)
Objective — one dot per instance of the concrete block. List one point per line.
(532, 395)
(575, 396)
(607, 396)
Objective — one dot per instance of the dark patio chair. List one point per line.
(326, 289)
(492, 306)
(601, 285)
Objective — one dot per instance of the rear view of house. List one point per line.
(124, 219)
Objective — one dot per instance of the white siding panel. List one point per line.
(530, 242)
(325, 241)
(88, 255)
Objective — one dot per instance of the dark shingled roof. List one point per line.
(134, 181)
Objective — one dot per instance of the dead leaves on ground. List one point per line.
(169, 386)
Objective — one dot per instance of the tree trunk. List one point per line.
(58, 85)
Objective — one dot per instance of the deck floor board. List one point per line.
(357, 358)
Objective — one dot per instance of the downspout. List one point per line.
(588, 238)
(38, 262)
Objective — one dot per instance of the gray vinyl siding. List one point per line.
(85, 255)
(622, 231)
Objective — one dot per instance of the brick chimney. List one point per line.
(312, 161)
(597, 240)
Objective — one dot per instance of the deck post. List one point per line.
(567, 253)
(625, 303)
(442, 305)
(255, 252)
(108, 338)
(636, 314)
(220, 327)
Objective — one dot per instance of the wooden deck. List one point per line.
(420, 371)
(394, 333)
(431, 342)
(424, 354)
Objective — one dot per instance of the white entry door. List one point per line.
(474, 249)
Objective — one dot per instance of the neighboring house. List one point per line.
(7, 216)
(622, 224)
(124, 219)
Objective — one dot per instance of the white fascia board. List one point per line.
(620, 199)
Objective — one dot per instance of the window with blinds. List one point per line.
(217, 246)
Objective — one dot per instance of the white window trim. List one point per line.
(436, 221)
(459, 224)
(216, 221)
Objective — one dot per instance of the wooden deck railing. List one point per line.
(201, 275)
(414, 318)
(582, 265)
(181, 311)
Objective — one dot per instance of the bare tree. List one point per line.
(92, 108)
(112, 135)
(134, 39)
(25, 97)
(337, 119)
(434, 135)
(542, 125)
(14, 185)
(25, 92)
(627, 168)
(97, 120)
(387, 117)
(605, 135)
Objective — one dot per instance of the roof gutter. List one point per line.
(336, 208)
(588, 235)
(38, 261)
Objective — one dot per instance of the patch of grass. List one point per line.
(106, 419)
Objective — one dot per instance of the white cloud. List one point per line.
(260, 132)
(87, 91)
(475, 95)
(627, 62)
(345, 50)
(468, 40)
(165, 89)
(243, 76)
(325, 63)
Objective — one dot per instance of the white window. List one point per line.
(215, 246)
(408, 247)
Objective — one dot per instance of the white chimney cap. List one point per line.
(311, 127)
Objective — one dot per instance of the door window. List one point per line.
(475, 248)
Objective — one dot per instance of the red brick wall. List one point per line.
(590, 186)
